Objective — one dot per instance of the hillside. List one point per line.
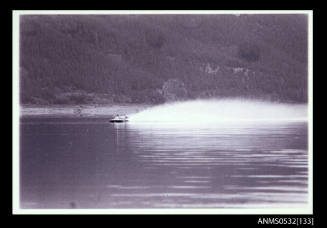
(103, 59)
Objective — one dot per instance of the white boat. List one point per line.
(119, 119)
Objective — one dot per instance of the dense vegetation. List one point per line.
(157, 58)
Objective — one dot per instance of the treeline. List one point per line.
(137, 58)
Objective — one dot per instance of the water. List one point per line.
(90, 163)
(199, 154)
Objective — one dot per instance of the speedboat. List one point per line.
(119, 119)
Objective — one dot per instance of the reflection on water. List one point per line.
(95, 164)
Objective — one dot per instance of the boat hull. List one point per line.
(117, 121)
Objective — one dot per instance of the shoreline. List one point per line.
(80, 111)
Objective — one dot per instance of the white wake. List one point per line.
(223, 110)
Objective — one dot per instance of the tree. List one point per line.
(174, 89)
(249, 52)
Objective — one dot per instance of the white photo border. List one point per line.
(16, 118)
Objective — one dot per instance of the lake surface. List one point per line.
(90, 163)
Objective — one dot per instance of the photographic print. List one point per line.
(162, 112)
